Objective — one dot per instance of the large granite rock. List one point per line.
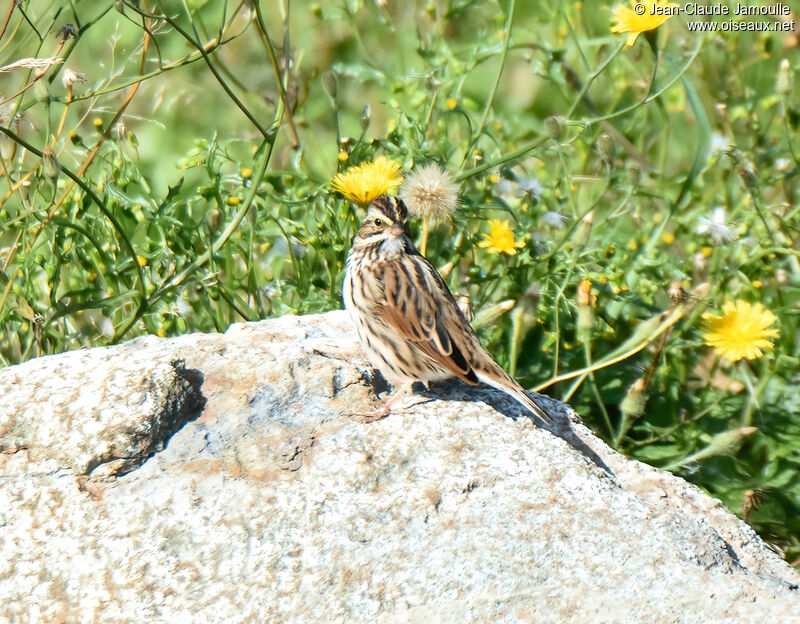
(223, 478)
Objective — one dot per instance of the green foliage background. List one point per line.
(187, 188)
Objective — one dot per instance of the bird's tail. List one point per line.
(513, 389)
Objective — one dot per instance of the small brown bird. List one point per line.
(405, 315)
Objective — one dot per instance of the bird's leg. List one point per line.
(384, 411)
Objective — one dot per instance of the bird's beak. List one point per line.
(396, 230)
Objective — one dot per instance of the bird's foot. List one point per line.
(368, 417)
(386, 409)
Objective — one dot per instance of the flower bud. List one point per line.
(727, 442)
(632, 406)
(8, 147)
(212, 219)
(607, 148)
(489, 314)
(330, 83)
(634, 174)
(463, 303)
(553, 125)
(585, 301)
(747, 173)
(365, 115)
(584, 230)
(784, 82)
(585, 296)
(49, 163)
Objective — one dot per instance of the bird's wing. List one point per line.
(418, 305)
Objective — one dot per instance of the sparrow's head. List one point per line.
(386, 222)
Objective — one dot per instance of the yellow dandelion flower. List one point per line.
(363, 183)
(500, 238)
(141, 260)
(451, 103)
(741, 331)
(645, 15)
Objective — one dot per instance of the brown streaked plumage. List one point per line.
(405, 315)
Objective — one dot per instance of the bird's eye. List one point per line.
(378, 222)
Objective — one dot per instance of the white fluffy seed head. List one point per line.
(429, 193)
(69, 77)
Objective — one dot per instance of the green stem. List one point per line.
(753, 393)
(91, 194)
(587, 351)
(423, 245)
(490, 164)
(206, 255)
(592, 78)
(674, 428)
(653, 96)
(264, 132)
(503, 56)
(273, 59)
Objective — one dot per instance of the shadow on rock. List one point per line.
(456, 390)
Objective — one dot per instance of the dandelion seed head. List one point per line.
(529, 187)
(720, 143)
(555, 220)
(783, 164)
(504, 186)
(430, 193)
(717, 227)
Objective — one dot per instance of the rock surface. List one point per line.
(223, 478)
